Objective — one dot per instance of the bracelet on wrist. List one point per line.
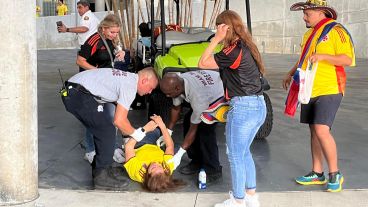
(67, 30)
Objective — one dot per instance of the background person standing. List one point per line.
(88, 23)
(61, 8)
(330, 45)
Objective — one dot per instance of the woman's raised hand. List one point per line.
(221, 32)
(158, 121)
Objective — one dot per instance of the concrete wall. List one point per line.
(48, 36)
(275, 28)
(279, 30)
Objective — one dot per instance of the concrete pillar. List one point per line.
(99, 5)
(18, 102)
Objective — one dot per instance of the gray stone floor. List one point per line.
(282, 156)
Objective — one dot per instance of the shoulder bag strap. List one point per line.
(108, 50)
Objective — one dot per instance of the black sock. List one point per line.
(319, 174)
(333, 173)
(332, 176)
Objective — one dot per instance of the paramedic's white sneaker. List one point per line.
(231, 202)
(118, 155)
(251, 200)
(89, 156)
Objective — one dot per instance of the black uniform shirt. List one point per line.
(239, 71)
(95, 52)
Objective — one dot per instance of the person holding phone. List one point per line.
(88, 23)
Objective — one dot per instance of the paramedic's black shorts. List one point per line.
(321, 110)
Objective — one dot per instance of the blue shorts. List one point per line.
(321, 110)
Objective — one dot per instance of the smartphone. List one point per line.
(59, 23)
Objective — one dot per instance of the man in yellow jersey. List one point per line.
(61, 8)
(329, 44)
(38, 11)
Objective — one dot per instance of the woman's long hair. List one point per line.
(110, 20)
(161, 183)
(237, 30)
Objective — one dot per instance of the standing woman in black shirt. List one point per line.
(240, 68)
(94, 53)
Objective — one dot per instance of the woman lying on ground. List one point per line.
(147, 162)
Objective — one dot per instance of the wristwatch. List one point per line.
(67, 30)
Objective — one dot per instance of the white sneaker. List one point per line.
(231, 202)
(252, 200)
(89, 156)
(118, 155)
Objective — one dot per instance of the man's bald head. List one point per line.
(172, 85)
(147, 81)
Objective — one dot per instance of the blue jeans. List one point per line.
(88, 140)
(150, 138)
(246, 115)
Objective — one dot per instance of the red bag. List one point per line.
(170, 27)
(292, 100)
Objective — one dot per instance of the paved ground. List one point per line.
(65, 180)
(82, 198)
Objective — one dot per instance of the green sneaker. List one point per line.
(335, 182)
(311, 179)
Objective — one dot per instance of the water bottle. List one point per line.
(202, 179)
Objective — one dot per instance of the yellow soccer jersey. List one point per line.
(62, 10)
(331, 79)
(143, 157)
(38, 11)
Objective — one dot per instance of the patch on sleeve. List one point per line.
(86, 18)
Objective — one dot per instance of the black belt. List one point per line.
(80, 88)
